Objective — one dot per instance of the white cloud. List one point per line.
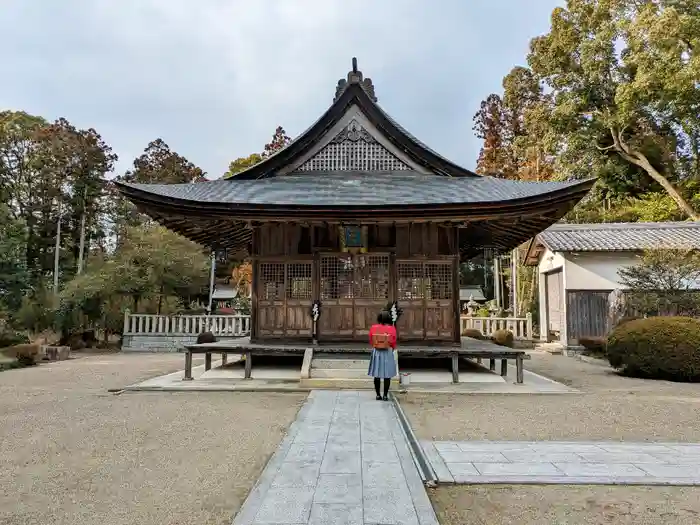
(213, 78)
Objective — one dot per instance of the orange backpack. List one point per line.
(381, 340)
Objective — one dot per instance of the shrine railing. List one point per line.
(520, 326)
(178, 325)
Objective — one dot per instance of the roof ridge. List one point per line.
(563, 227)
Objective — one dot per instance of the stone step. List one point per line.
(552, 348)
(340, 363)
(339, 373)
(352, 384)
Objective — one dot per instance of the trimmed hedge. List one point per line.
(596, 345)
(473, 333)
(503, 338)
(657, 348)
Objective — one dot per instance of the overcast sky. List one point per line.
(213, 78)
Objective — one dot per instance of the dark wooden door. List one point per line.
(353, 288)
(284, 299)
(425, 293)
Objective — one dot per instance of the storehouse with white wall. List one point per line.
(578, 267)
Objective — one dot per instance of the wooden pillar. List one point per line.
(248, 365)
(519, 369)
(492, 364)
(455, 367)
(255, 276)
(224, 359)
(188, 366)
(207, 361)
(504, 368)
(455, 285)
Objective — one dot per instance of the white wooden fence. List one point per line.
(177, 325)
(520, 326)
(239, 325)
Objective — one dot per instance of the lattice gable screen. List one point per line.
(354, 149)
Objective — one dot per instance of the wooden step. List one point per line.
(339, 373)
(359, 364)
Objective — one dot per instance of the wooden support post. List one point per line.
(519, 368)
(455, 368)
(492, 364)
(188, 366)
(478, 360)
(224, 359)
(504, 368)
(248, 364)
(207, 361)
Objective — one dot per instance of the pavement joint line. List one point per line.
(424, 467)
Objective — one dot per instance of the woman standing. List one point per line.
(382, 339)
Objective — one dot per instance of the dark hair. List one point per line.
(384, 317)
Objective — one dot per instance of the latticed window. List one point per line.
(354, 149)
(271, 281)
(299, 281)
(417, 280)
(410, 277)
(364, 276)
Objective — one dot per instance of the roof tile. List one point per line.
(621, 236)
(355, 189)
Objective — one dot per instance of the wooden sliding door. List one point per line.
(425, 292)
(353, 290)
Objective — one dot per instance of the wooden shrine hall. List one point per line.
(356, 213)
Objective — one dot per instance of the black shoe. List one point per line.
(379, 398)
(385, 398)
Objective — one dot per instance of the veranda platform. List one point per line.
(468, 349)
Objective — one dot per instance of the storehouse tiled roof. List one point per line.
(354, 189)
(621, 236)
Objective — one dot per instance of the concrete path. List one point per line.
(570, 463)
(345, 461)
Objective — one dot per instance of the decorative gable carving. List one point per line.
(354, 149)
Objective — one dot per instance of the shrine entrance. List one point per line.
(426, 292)
(354, 288)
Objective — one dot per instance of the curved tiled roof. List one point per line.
(621, 236)
(350, 189)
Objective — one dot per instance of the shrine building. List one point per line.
(356, 213)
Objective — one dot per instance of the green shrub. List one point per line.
(624, 320)
(12, 338)
(26, 354)
(206, 337)
(503, 338)
(657, 348)
(595, 345)
(473, 333)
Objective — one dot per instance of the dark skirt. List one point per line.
(382, 364)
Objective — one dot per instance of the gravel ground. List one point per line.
(74, 454)
(609, 407)
(559, 505)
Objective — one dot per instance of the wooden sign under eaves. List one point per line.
(353, 239)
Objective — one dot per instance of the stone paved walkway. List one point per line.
(344, 461)
(571, 463)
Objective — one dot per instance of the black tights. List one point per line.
(377, 382)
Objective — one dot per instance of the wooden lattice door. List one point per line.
(354, 289)
(425, 292)
(284, 299)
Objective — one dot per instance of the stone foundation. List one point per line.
(160, 342)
